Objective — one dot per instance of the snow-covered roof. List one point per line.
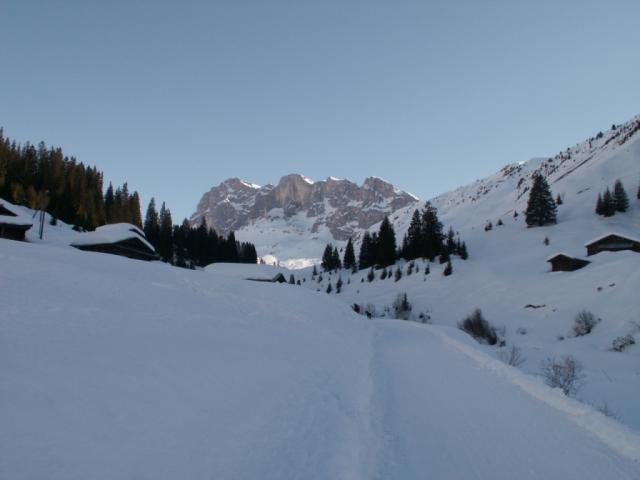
(602, 237)
(560, 254)
(16, 217)
(112, 233)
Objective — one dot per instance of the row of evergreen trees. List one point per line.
(34, 176)
(185, 246)
(609, 203)
(424, 239)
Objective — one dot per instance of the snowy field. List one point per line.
(115, 368)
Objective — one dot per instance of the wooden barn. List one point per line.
(561, 262)
(12, 225)
(612, 242)
(121, 239)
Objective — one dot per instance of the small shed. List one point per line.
(279, 278)
(13, 225)
(121, 239)
(561, 262)
(612, 242)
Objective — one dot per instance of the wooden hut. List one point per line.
(561, 262)
(12, 225)
(612, 242)
(121, 239)
(279, 278)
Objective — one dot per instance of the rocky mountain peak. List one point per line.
(340, 205)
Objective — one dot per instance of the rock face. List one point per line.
(340, 205)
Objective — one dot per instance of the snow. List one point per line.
(250, 184)
(111, 233)
(21, 214)
(112, 368)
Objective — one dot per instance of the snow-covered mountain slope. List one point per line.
(293, 220)
(508, 277)
(115, 368)
(577, 174)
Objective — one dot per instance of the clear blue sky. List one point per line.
(175, 97)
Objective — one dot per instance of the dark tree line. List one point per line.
(73, 193)
(185, 246)
(609, 203)
(378, 249)
(425, 238)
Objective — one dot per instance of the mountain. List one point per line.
(297, 217)
(293, 221)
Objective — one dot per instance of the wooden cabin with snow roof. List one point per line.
(561, 262)
(13, 225)
(612, 242)
(121, 239)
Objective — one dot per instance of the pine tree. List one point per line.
(335, 259)
(315, 271)
(412, 245)
(444, 257)
(329, 288)
(558, 200)
(152, 223)
(327, 258)
(432, 237)
(339, 285)
(448, 270)
(349, 256)
(450, 245)
(135, 217)
(386, 248)
(108, 203)
(620, 197)
(608, 204)
(292, 280)
(599, 205)
(165, 237)
(541, 208)
(366, 258)
(463, 251)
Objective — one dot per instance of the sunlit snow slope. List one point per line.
(115, 369)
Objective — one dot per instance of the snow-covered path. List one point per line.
(117, 369)
(444, 416)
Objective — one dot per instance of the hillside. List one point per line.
(115, 368)
(508, 277)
